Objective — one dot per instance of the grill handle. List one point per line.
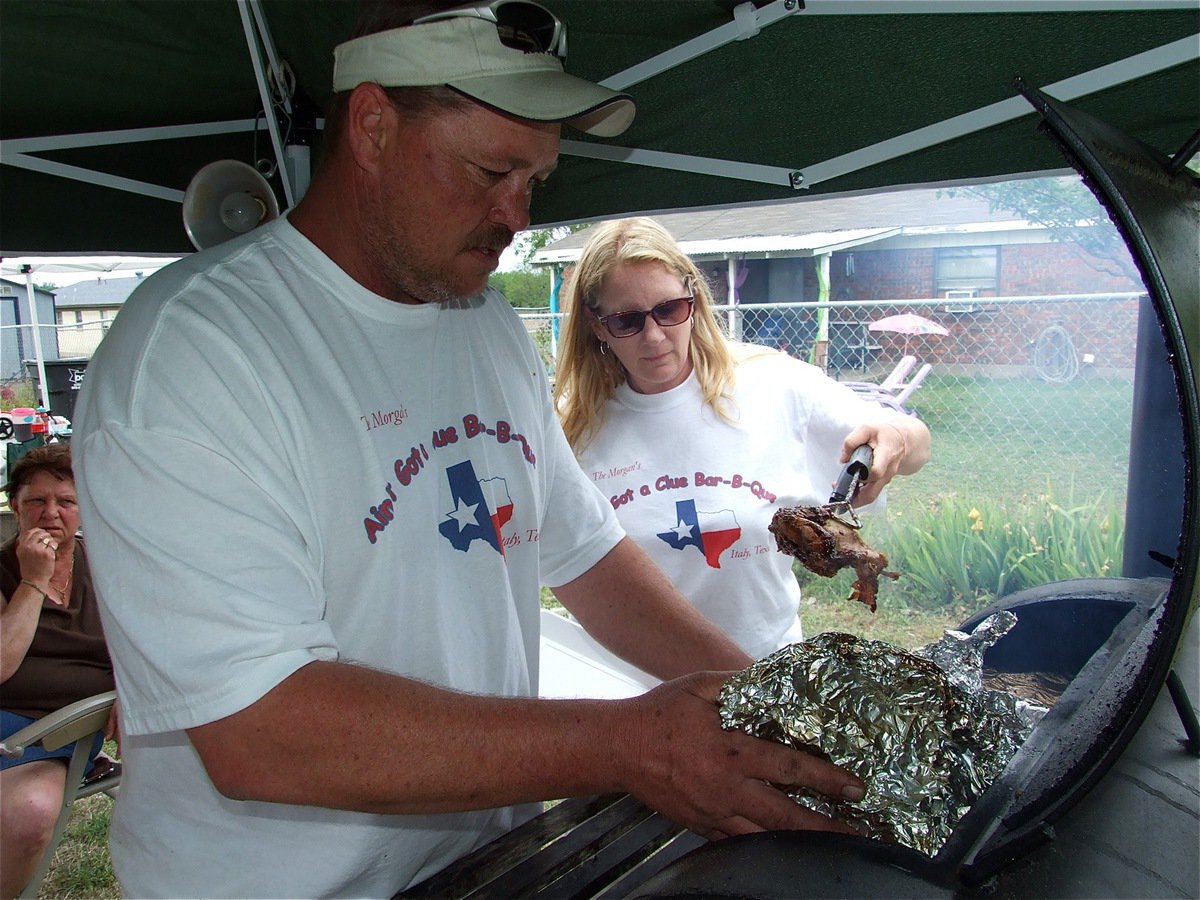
(853, 475)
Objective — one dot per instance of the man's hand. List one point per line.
(718, 783)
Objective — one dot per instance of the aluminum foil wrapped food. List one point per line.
(917, 727)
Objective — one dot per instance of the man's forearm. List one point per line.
(628, 604)
(349, 737)
(418, 748)
(345, 737)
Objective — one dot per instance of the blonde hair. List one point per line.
(585, 378)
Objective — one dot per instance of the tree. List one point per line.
(1071, 213)
(523, 289)
(527, 287)
(530, 242)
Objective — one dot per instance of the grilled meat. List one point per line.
(825, 544)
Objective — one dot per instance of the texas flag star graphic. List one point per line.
(481, 509)
(712, 533)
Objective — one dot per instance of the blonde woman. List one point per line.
(696, 440)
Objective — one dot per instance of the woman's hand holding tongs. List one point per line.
(888, 444)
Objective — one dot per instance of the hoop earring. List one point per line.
(604, 348)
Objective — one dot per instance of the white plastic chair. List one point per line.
(912, 384)
(898, 400)
(79, 722)
(892, 383)
(893, 392)
(895, 378)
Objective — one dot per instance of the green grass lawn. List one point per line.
(81, 867)
(997, 443)
(1004, 438)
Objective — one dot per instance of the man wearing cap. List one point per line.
(324, 481)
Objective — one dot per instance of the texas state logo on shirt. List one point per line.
(482, 506)
(477, 509)
(712, 533)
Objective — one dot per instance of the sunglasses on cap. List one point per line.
(675, 311)
(521, 24)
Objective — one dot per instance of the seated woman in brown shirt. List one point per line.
(52, 650)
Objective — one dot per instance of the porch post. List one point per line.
(735, 320)
(821, 348)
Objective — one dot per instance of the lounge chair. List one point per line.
(893, 392)
(79, 722)
(892, 383)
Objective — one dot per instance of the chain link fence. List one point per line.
(1029, 401)
(1022, 394)
(1025, 396)
(62, 347)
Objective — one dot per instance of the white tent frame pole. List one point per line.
(680, 162)
(268, 46)
(125, 136)
(1098, 79)
(103, 179)
(17, 150)
(256, 41)
(297, 158)
(37, 337)
(747, 21)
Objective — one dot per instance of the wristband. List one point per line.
(34, 586)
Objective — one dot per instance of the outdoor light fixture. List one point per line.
(224, 199)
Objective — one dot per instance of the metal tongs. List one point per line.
(856, 472)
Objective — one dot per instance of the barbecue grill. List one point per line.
(1056, 821)
(1092, 632)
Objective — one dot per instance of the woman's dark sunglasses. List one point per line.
(521, 24)
(670, 312)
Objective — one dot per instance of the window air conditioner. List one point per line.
(956, 305)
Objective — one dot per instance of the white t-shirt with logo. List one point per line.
(697, 492)
(277, 466)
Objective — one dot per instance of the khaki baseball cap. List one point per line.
(467, 54)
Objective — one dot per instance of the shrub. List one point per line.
(958, 553)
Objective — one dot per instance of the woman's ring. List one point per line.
(45, 542)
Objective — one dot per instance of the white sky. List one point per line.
(67, 270)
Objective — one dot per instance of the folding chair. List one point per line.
(892, 383)
(79, 722)
(893, 391)
(898, 400)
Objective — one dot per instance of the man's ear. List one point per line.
(371, 121)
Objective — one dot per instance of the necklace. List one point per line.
(64, 593)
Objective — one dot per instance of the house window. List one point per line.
(967, 269)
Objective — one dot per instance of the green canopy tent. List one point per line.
(111, 107)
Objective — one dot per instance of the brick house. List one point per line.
(950, 253)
